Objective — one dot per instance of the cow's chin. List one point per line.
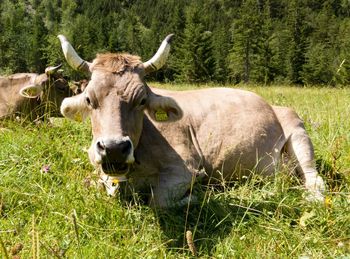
(115, 168)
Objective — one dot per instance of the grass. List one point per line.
(51, 208)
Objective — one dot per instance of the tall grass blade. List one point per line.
(3, 248)
(76, 231)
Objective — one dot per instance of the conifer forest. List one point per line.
(304, 42)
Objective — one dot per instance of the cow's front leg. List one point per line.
(173, 187)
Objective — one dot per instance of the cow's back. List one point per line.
(236, 131)
(10, 99)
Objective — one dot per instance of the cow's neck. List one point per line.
(163, 144)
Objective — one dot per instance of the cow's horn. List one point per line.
(50, 70)
(72, 57)
(159, 59)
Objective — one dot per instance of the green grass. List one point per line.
(61, 213)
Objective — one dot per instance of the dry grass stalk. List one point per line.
(190, 243)
(35, 241)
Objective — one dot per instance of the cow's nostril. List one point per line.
(100, 146)
(125, 147)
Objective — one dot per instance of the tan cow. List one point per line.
(33, 94)
(162, 139)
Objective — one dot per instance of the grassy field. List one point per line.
(50, 206)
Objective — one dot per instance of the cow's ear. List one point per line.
(163, 109)
(31, 91)
(75, 108)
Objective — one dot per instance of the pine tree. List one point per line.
(342, 60)
(194, 61)
(298, 41)
(15, 36)
(321, 52)
(36, 61)
(264, 70)
(246, 33)
(217, 19)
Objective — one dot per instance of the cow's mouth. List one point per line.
(115, 168)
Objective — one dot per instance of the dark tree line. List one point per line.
(226, 41)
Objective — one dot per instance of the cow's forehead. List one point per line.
(129, 84)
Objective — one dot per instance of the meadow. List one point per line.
(50, 206)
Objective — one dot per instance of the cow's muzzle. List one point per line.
(115, 155)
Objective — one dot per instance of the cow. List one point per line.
(32, 94)
(159, 141)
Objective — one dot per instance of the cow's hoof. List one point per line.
(315, 188)
(314, 196)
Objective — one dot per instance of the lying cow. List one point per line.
(161, 139)
(33, 94)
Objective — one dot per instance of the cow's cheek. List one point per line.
(136, 130)
(96, 125)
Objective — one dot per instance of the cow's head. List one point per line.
(50, 87)
(116, 99)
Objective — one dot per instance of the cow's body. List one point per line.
(168, 137)
(32, 94)
(229, 133)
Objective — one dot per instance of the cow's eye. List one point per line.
(143, 102)
(88, 101)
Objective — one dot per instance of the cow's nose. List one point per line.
(112, 150)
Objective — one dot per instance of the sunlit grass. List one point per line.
(256, 219)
